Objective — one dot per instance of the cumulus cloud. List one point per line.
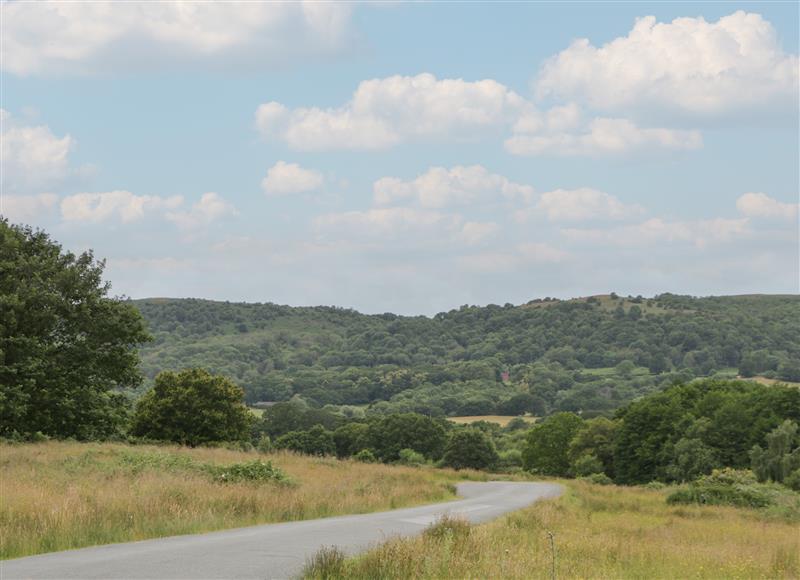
(522, 256)
(42, 38)
(384, 222)
(688, 64)
(27, 208)
(760, 205)
(32, 157)
(287, 178)
(603, 136)
(473, 233)
(440, 187)
(208, 209)
(384, 112)
(699, 233)
(582, 204)
(122, 205)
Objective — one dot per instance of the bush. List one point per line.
(587, 465)
(411, 458)
(750, 496)
(256, 471)
(793, 480)
(365, 456)
(470, 449)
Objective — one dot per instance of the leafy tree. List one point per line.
(350, 438)
(388, 435)
(548, 442)
(470, 449)
(586, 465)
(782, 455)
(596, 439)
(192, 407)
(315, 441)
(66, 348)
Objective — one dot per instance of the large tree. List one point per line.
(548, 442)
(66, 347)
(193, 407)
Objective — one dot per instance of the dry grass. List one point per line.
(600, 532)
(59, 495)
(766, 381)
(501, 420)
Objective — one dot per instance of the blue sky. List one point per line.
(409, 157)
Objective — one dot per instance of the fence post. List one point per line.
(552, 554)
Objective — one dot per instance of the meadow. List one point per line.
(501, 420)
(64, 495)
(598, 532)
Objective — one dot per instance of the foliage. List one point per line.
(365, 456)
(389, 434)
(598, 479)
(596, 439)
(65, 346)
(587, 465)
(470, 449)
(255, 471)
(720, 421)
(560, 355)
(351, 438)
(192, 407)
(315, 441)
(548, 444)
(782, 455)
(411, 458)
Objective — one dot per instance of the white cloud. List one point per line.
(41, 38)
(699, 233)
(760, 205)
(384, 222)
(384, 112)
(602, 136)
(440, 187)
(122, 205)
(688, 64)
(521, 257)
(473, 233)
(32, 157)
(210, 208)
(27, 208)
(583, 204)
(286, 178)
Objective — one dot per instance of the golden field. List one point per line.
(62, 495)
(501, 420)
(599, 532)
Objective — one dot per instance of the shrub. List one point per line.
(365, 456)
(793, 480)
(411, 457)
(470, 448)
(754, 496)
(256, 471)
(587, 465)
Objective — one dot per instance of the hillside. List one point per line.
(589, 354)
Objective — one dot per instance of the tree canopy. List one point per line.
(66, 347)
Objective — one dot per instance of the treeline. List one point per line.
(587, 355)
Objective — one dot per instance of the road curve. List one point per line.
(272, 550)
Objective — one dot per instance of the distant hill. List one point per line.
(587, 354)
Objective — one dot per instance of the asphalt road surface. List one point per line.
(272, 550)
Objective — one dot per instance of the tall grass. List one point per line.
(599, 532)
(60, 495)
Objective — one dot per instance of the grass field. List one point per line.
(501, 420)
(599, 532)
(60, 495)
(766, 381)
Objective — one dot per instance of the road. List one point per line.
(272, 550)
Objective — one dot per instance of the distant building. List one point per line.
(504, 376)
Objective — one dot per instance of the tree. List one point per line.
(470, 449)
(350, 438)
(596, 439)
(66, 348)
(388, 435)
(548, 442)
(315, 441)
(782, 455)
(192, 407)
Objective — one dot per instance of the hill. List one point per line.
(588, 354)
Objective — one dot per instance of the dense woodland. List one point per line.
(588, 356)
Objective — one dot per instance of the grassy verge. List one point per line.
(599, 532)
(60, 495)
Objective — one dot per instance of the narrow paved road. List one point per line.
(273, 550)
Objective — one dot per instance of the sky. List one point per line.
(408, 157)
